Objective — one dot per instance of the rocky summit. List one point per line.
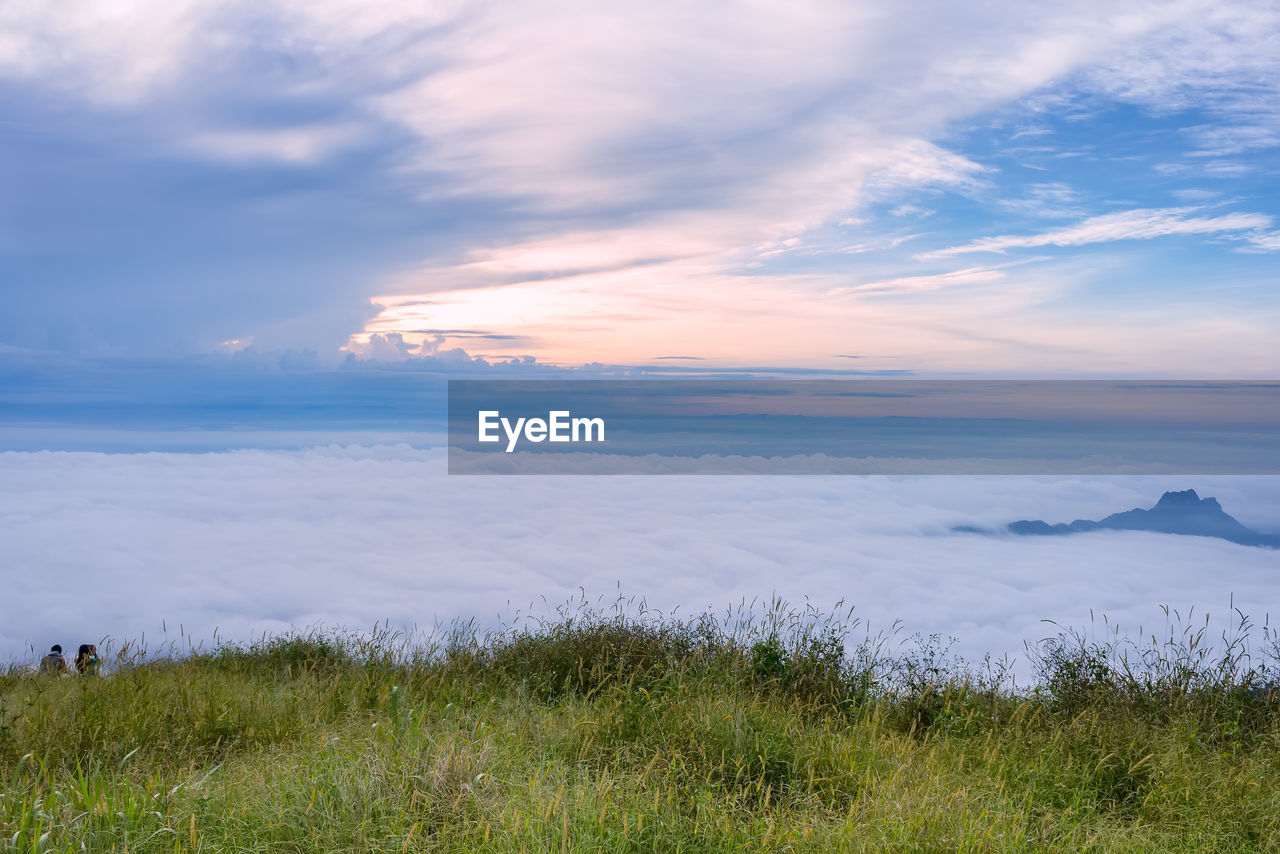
(1182, 512)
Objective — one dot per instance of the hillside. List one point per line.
(609, 732)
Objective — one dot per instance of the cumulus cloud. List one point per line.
(251, 541)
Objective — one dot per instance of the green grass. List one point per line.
(611, 730)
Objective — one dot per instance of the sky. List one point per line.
(244, 244)
(994, 187)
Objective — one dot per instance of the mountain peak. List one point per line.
(1177, 512)
(1185, 498)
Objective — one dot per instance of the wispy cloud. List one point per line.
(1139, 224)
(1050, 200)
(1215, 64)
(1228, 140)
(1267, 241)
(912, 284)
(302, 145)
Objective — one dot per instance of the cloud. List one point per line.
(259, 171)
(430, 346)
(1139, 224)
(904, 284)
(1267, 241)
(300, 145)
(130, 54)
(1054, 200)
(1214, 64)
(119, 52)
(251, 541)
(387, 348)
(1228, 140)
(1197, 194)
(1222, 68)
(937, 320)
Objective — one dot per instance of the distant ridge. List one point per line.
(1184, 513)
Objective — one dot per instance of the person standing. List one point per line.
(53, 662)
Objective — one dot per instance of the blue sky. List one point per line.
(932, 187)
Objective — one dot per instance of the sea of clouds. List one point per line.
(179, 546)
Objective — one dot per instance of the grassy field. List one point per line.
(607, 730)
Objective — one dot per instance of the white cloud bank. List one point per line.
(253, 541)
